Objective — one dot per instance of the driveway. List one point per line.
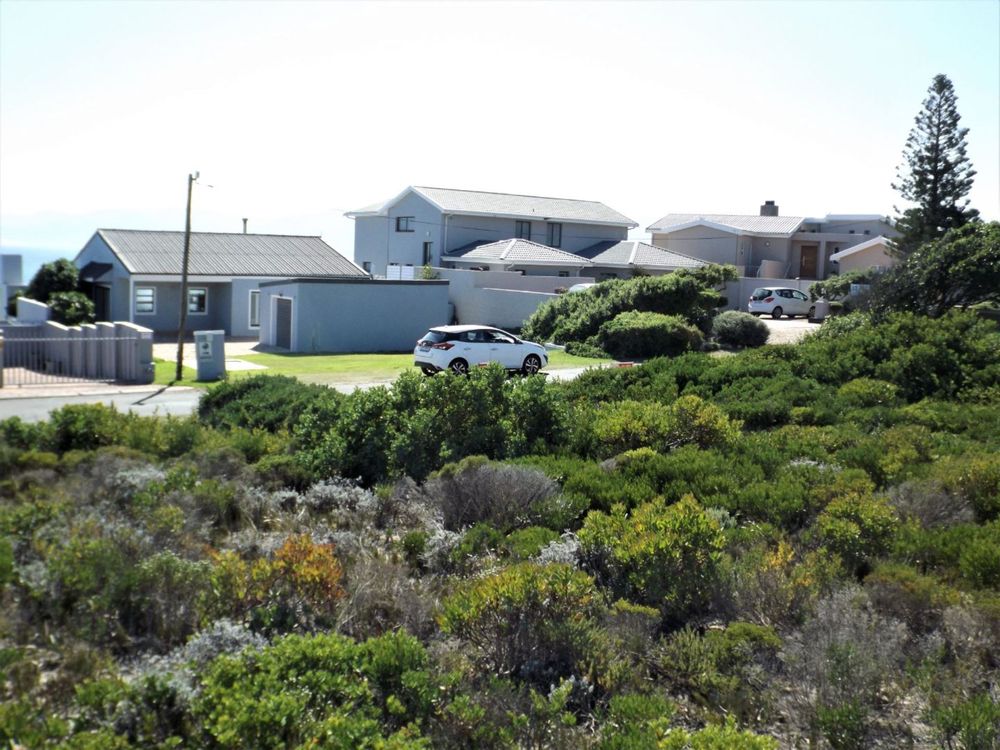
(788, 330)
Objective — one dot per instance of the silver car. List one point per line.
(457, 348)
(779, 300)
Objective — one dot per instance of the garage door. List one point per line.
(283, 323)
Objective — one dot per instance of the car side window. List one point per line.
(800, 296)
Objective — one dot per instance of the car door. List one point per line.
(801, 303)
(504, 349)
(470, 347)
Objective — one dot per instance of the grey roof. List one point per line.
(515, 251)
(747, 224)
(224, 254)
(480, 203)
(636, 253)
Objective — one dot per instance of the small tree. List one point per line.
(937, 174)
(71, 308)
(58, 276)
(959, 270)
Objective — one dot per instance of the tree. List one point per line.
(59, 276)
(960, 269)
(937, 174)
(71, 308)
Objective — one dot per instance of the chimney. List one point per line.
(245, 224)
(769, 209)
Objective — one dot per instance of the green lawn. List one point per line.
(339, 368)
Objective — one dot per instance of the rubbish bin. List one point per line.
(210, 351)
(822, 310)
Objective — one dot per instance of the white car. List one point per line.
(457, 348)
(779, 300)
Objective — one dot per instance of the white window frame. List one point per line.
(250, 323)
(135, 300)
(197, 289)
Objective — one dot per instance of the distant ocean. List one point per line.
(33, 258)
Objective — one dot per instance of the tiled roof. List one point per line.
(223, 254)
(752, 224)
(479, 203)
(636, 253)
(524, 252)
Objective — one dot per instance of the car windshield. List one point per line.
(761, 293)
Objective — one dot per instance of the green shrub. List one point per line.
(85, 427)
(858, 527)
(525, 544)
(663, 556)
(693, 421)
(647, 334)
(716, 737)
(635, 722)
(740, 329)
(269, 402)
(624, 425)
(325, 686)
(974, 722)
(532, 621)
(583, 349)
(918, 600)
(866, 392)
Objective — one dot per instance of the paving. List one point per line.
(789, 330)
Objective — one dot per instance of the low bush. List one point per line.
(267, 402)
(739, 329)
(534, 622)
(647, 334)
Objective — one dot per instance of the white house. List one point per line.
(767, 244)
(424, 225)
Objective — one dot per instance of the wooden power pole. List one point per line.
(184, 281)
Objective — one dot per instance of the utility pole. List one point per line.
(184, 281)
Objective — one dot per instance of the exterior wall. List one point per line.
(575, 237)
(167, 314)
(873, 256)
(704, 243)
(771, 248)
(498, 298)
(239, 317)
(371, 242)
(356, 316)
(10, 270)
(97, 251)
(569, 271)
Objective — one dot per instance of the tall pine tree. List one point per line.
(937, 174)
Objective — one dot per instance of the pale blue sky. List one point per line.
(296, 112)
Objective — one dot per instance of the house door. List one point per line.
(102, 302)
(283, 323)
(807, 262)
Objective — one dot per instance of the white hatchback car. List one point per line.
(457, 348)
(778, 300)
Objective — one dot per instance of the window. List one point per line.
(868, 231)
(367, 266)
(404, 223)
(197, 301)
(522, 230)
(255, 308)
(851, 231)
(428, 248)
(563, 274)
(555, 235)
(145, 300)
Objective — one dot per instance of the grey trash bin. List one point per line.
(210, 352)
(822, 310)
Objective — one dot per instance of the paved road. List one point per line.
(177, 401)
(788, 330)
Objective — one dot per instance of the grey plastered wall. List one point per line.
(168, 296)
(239, 318)
(96, 250)
(704, 243)
(355, 316)
(465, 229)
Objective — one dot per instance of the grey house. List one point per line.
(768, 244)
(135, 275)
(425, 225)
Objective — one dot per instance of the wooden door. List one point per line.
(807, 262)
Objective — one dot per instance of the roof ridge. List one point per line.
(517, 195)
(237, 234)
(635, 251)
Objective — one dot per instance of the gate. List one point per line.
(54, 354)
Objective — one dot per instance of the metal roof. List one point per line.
(530, 207)
(524, 252)
(224, 254)
(737, 223)
(637, 253)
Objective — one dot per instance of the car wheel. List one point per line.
(812, 313)
(428, 370)
(532, 364)
(776, 313)
(459, 367)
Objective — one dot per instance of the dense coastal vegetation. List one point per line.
(787, 546)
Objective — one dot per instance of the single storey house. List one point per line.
(768, 245)
(871, 254)
(424, 225)
(524, 256)
(135, 275)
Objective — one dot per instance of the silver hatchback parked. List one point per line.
(779, 300)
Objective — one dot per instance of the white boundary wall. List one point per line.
(500, 298)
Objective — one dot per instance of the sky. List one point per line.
(295, 112)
